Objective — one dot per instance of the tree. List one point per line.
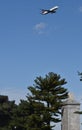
(47, 96)
(6, 108)
(80, 74)
(20, 115)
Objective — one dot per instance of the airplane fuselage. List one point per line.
(52, 10)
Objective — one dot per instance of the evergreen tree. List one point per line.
(20, 115)
(6, 108)
(80, 74)
(47, 96)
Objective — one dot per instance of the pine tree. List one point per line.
(6, 112)
(80, 74)
(20, 115)
(47, 96)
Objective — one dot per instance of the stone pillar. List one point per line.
(70, 120)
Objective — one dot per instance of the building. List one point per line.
(70, 119)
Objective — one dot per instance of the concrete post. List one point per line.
(70, 120)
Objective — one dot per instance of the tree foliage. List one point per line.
(80, 74)
(41, 109)
(49, 93)
(6, 112)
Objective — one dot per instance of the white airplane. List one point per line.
(52, 10)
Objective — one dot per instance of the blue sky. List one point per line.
(32, 44)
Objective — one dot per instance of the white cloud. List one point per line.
(40, 27)
(80, 9)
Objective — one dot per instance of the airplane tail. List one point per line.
(43, 10)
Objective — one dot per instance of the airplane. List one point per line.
(52, 10)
